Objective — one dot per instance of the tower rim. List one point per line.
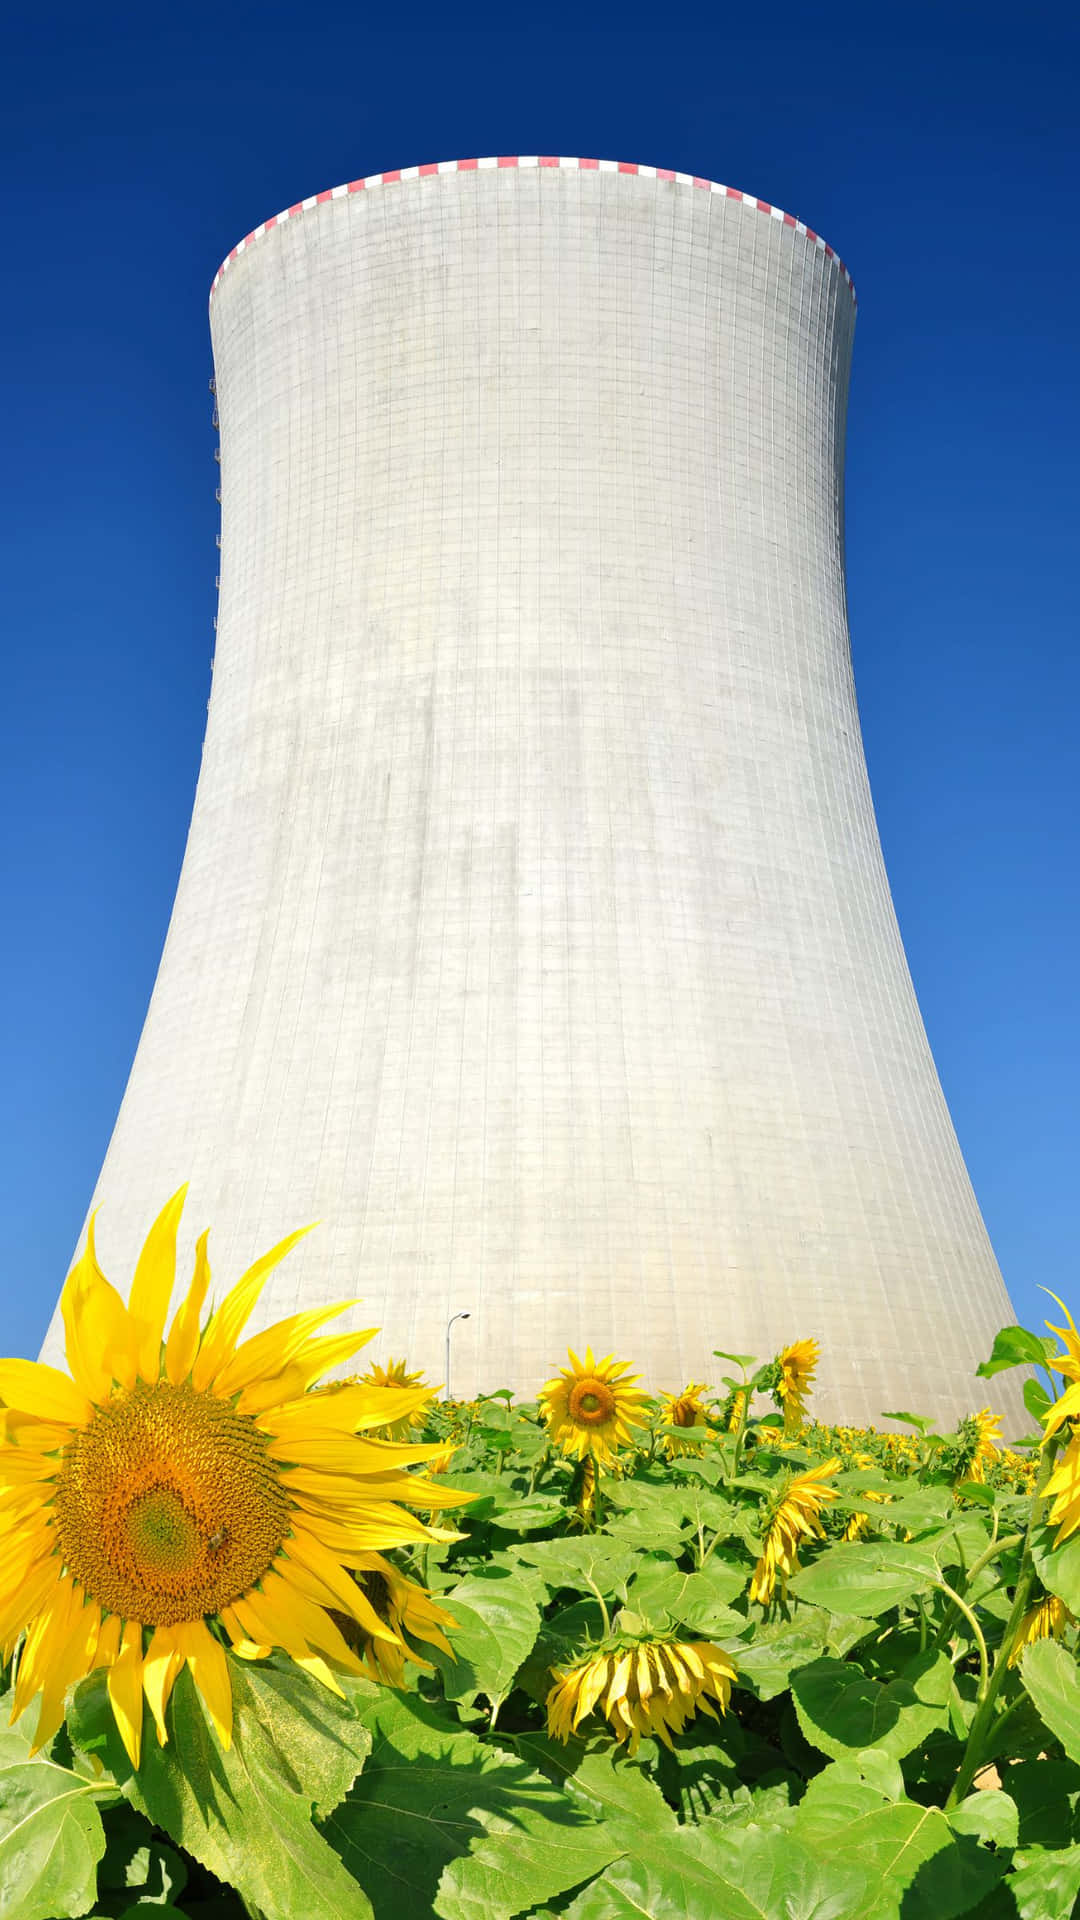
(439, 169)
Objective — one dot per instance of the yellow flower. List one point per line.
(182, 1485)
(591, 1408)
(406, 1609)
(394, 1375)
(986, 1449)
(1063, 1487)
(797, 1366)
(737, 1405)
(1046, 1620)
(685, 1409)
(655, 1687)
(795, 1519)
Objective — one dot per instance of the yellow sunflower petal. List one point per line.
(125, 1686)
(230, 1319)
(164, 1659)
(268, 1353)
(209, 1668)
(73, 1660)
(35, 1388)
(332, 1586)
(98, 1335)
(183, 1342)
(151, 1289)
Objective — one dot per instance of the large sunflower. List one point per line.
(590, 1408)
(172, 1488)
(650, 1686)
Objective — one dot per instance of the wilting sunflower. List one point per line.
(683, 1410)
(1047, 1620)
(985, 1450)
(1063, 1488)
(650, 1686)
(591, 1408)
(797, 1366)
(396, 1376)
(175, 1487)
(794, 1518)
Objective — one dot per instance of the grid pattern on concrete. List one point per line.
(533, 931)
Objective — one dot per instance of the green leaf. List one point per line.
(912, 1861)
(438, 1822)
(777, 1650)
(137, 1861)
(841, 1710)
(716, 1872)
(1016, 1347)
(246, 1814)
(669, 1597)
(1045, 1884)
(990, 1815)
(1058, 1567)
(530, 1516)
(1047, 1795)
(743, 1360)
(917, 1420)
(593, 1558)
(866, 1579)
(497, 1623)
(1050, 1676)
(51, 1839)
(1036, 1400)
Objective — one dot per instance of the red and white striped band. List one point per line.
(397, 174)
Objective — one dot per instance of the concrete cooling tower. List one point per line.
(533, 932)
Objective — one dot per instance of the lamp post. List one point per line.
(446, 1370)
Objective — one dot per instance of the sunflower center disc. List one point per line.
(591, 1403)
(683, 1413)
(168, 1505)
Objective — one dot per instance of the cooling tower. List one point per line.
(533, 932)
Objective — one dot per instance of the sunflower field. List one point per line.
(294, 1647)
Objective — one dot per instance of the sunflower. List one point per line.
(396, 1375)
(986, 1450)
(794, 1518)
(591, 1408)
(1063, 1487)
(187, 1487)
(648, 1686)
(402, 1606)
(797, 1366)
(738, 1404)
(685, 1409)
(1047, 1620)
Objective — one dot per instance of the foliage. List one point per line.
(881, 1756)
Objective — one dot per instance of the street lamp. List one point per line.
(446, 1371)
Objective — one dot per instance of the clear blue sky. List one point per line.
(932, 147)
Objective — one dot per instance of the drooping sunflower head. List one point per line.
(683, 1410)
(1046, 1620)
(397, 1377)
(797, 1365)
(792, 1518)
(641, 1686)
(189, 1488)
(591, 1407)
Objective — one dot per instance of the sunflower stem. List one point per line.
(961, 1606)
(982, 1724)
(604, 1614)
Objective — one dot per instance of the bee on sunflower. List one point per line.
(591, 1408)
(395, 1375)
(648, 1686)
(174, 1492)
(683, 1410)
(794, 1518)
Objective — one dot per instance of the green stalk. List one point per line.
(984, 1712)
(962, 1607)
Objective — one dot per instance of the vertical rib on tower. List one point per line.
(533, 930)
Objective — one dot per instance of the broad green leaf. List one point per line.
(842, 1710)
(1058, 1567)
(777, 1650)
(440, 1823)
(137, 1861)
(866, 1579)
(592, 1558)
(913, 1863)
(246, 1814)
(743, 1360)
(667, 1596)
(990, 1815)
(1050, 1676)
(51, 1839)
(715, 1872)
(916, 1420)
(530, 1516)
(1016, 1347)
(1045, 1884)
(497, 1624)
(1047, 1796)
(1036, 1400)
(612, 1787)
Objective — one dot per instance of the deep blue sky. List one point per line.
(933, 149)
